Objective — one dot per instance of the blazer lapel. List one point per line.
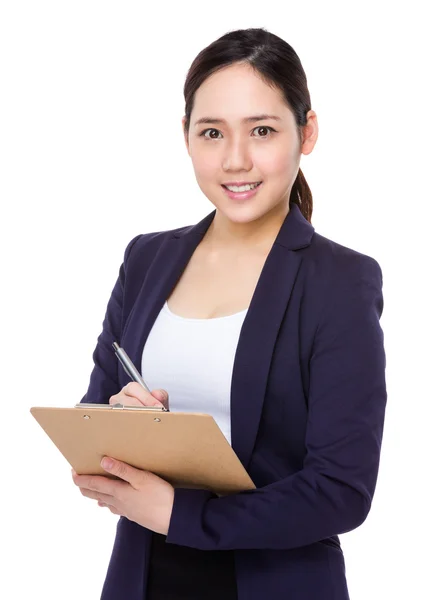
(260, 329)
(261, 325)
(161, 277)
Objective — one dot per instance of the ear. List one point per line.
(310, 133)
(185, 135)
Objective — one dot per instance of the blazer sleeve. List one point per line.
(332, 493)
(104, 377)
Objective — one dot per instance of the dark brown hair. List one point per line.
(275, 61)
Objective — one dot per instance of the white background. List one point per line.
(92, 153)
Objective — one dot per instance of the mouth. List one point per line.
(242, 192)
(238, 190)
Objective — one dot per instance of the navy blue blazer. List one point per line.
(308, 398)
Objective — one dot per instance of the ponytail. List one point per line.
(302, 196)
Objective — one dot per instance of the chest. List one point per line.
(211, 287)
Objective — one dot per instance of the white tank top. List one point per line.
(193, 360)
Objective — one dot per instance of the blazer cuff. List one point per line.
(186, 515)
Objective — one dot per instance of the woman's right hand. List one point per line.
(133, 394)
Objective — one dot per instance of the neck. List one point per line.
(260, 233)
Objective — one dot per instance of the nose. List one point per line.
(237, 156)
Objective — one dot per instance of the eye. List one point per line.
(206, 130)
(264, 127)
(270, 129)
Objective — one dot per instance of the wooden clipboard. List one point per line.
(186, 449)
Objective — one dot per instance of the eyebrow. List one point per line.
(252, 119)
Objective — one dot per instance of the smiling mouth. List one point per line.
(252, 183)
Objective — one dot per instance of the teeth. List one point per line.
(242, 188)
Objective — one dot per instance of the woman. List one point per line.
(253, 317)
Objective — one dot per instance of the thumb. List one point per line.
(123, 471)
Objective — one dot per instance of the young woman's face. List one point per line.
(230, 149)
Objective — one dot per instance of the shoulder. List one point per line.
(338, 280)
(145, 245)
(334, 262)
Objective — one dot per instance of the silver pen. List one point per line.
(128, 366)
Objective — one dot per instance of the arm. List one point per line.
(104, 377)
(332, 494)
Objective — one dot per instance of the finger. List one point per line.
(109, 500)
(135, 390)
(98, 483)
(112, 509)
(124, 471)
(162, 396)
(119, 398)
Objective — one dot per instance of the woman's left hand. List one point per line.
(142, 497)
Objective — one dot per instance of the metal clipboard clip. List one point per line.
(118, 406)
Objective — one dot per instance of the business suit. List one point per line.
(308, 398)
